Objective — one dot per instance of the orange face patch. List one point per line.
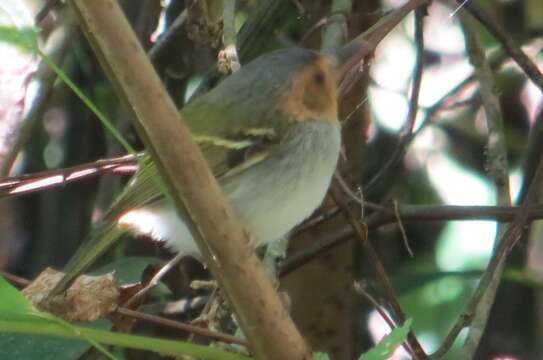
(313, 95)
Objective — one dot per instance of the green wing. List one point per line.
(228, 148)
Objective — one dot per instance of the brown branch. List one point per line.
(509, 45)
(196, 330)
(497, 168)
(361, 290)
(227, 248)
(463, 320)
(14, 279)
(408, 213)
(418, 213)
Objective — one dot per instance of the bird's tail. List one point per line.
(100, 239)
(105, 233)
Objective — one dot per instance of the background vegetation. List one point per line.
(446, 112)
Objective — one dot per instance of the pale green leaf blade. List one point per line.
(386, 347)
(13, 302)
(25, 38)
(321, 356)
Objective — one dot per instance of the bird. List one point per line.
(271, 135)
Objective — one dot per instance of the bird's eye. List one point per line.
(318, 77)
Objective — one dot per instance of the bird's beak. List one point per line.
(349, 55)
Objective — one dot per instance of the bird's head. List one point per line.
(294, 83)
(275, 90)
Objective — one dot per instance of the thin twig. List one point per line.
(402, 229)
(347, 190)
(426, 213)
(408, 213)
(379, 268)
(351, 114)
(420, 13)
(463, 320)
(407, 133)
(361, 290)
(14, 279)
(319, 24)
(154, 280)
(197, 330)
(46, 8)
(164, 41)
(497, 169)
(509, 45)
(365, 43)
(495, 59)
(30, 183)
(334, 34)
(534, 150)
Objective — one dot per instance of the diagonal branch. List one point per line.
(507, 242)
(497, 167)
(196, 194)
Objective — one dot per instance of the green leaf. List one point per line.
(18, 316)
(12, 300)
(385, 348)
(25, 38)
(28, 346)
(321, 356)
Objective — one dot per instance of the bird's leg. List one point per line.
(275, 252)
